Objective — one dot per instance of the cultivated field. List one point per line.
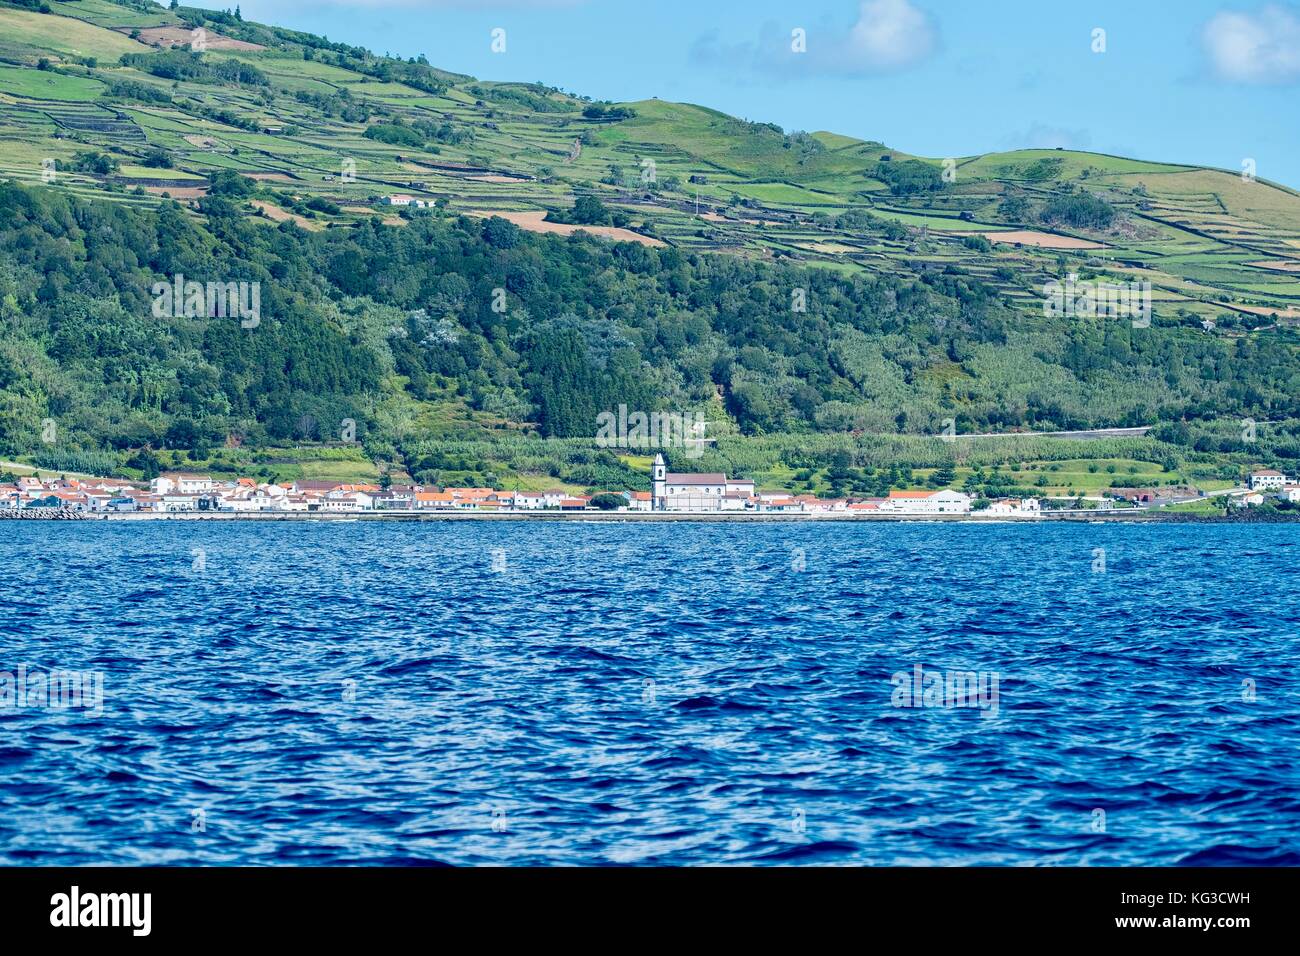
(1213, 244)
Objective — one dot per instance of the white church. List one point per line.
(705, 491)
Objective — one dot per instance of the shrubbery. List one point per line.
(1082, 210)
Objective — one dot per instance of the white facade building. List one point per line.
(173, 483)
(927, 502)
(1014, 508)
(171, 503)
(704, 491)
(1266, 479)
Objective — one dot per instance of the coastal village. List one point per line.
(700, 493)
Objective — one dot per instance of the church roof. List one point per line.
(702, 478)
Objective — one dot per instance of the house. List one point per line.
(736, 501)
(69, 500)
(395, 499)
(520, 500)
(1014, 508)
(779, 503)
(433, 501)
(303, 486)
(30, 487)
(1289, 493)
(814, 505)
(1266, 479)
(471, 498)
(574, 504)
(371, 490)
(97, 500)
(529, 500)
(146, 502)
(1157, 495)
(175, 502)
(910, 502)
(181, 484)
(340, 500)
(1002, 507)
(638, 500)
(246, 500)
(401, 199)
(472, 492)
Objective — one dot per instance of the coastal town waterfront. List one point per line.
(673, 496)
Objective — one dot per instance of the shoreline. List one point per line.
(1143, 515)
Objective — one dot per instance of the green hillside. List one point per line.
(925, 275)
(1212, 245)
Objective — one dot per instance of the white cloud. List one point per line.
(887, 36)
(1258, 47)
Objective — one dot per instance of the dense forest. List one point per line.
(378, 324)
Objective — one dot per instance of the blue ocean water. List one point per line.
(595, 693)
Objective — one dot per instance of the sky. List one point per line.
(1190, 81)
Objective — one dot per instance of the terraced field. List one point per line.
(1214, 246)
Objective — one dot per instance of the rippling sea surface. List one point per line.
(595, 693)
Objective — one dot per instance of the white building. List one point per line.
(176, 483)
(779, 502)
(347, 501)
(176, 502)
(1290, 493)
(703, 491)
(244, 500)
(1265, 479)
(814, 505)
(1014, 508)
(927, 502)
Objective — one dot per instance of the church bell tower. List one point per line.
(659, 483)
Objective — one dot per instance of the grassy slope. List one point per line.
(1197, 234)
(1198, 239)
